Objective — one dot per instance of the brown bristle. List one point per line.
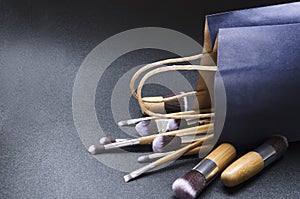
(279, 143)
(166, 143)
(189, 185)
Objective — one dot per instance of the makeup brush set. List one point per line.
(247, 96)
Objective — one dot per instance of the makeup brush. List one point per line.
(166, 159)
(170, 106)
(108, 140)
(150, 127)
(96, 149)
(192, 183)
(254, 161)
(147, 127)
(154, 156)
(136, 120)
(164, 143)
(170, 103)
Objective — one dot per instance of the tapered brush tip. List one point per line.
(189, 185)
(143, 159)
(96, 149)
(164, 143)
(106, 140)
(123, 123)
(127, 178)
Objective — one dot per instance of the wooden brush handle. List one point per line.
(158, 107)
(222, 155)
(181, 132)
(198, 149)
(181, 151)
(242, 169)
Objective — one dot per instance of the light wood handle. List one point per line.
(157, 107)
(181, 151)
(242, 169)
(222, 155)
(188, 131)
(198, 149)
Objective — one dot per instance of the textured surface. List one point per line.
(42, 45)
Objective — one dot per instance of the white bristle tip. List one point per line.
(92, 149)
(181, 186)
(143, 159)
(104, 140)
(122, 123)
(127, 178)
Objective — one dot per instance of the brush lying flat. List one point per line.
(166, 159)
(164, 143)
(96, 149)
(150, 127)
(154, 156)
(108, 140)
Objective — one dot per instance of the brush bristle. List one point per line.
(147, 127)
(279, 143)
(174, 124)
(96, 149)
(123, 123)
(166, 143)
(143, 159)
(106, 140)
(127, 178)
(189, 185)
(176, 105)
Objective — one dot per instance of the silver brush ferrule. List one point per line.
(207, 168)
(267, 152)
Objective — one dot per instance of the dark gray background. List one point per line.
(42, 44)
